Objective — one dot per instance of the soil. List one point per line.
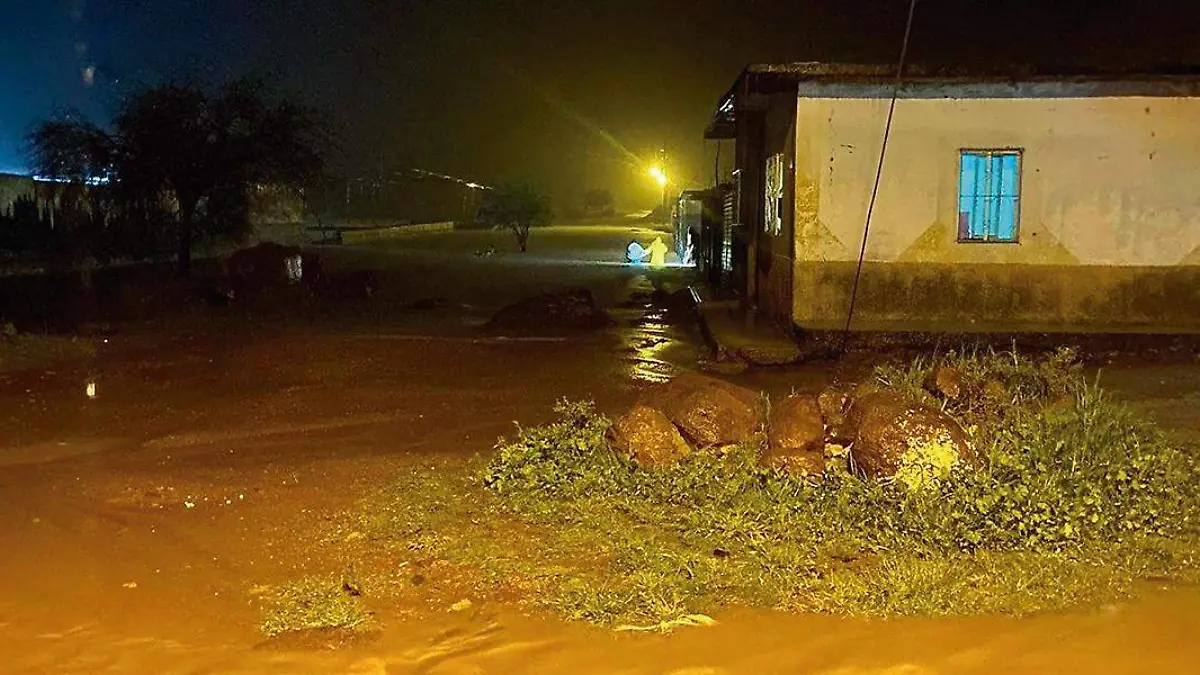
(221, 454)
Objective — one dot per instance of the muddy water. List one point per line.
(136, 524)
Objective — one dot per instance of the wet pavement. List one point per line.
(216, 456)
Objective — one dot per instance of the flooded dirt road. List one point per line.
(138, 525)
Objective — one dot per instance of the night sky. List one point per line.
(573, 94)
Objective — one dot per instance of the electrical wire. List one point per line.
(887, 132)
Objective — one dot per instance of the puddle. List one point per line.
(656, 343)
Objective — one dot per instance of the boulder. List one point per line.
(894, 435)
(944, 382)
(710, 412)
(646, 436)
(569, 310)
(796, 436)
(796, 424)
(834, 401)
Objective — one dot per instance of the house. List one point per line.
(1037, 202)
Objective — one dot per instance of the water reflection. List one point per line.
(654, 339)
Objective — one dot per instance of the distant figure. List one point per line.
(634, 253)
(658, 252)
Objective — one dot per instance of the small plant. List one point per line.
(990, 382)
(312, 603)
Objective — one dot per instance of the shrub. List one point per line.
(312, 603)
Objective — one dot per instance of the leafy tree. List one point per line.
(208, 151)
(516, 207)
(183, 156)
(74, 155)
(598, 202)
(67, 147)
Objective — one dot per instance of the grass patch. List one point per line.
(21, 351)
(1074, 503)
(312, 603)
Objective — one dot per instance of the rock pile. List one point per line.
(881, 433)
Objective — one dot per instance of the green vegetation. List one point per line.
(20, 351)
(1072, 503)
(181, 163)
(313, 603)
(516, 207)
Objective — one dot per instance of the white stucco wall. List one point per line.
(1105, 180)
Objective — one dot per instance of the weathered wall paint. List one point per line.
(955, 297)
(1109, 191)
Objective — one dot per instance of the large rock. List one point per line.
(796, 436)
(894, 435)
(834, 401)
(796, 424)
(569, 310)
(944, 381)
(648, 437)
(710, 412)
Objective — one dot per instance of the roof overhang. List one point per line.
(842, 80)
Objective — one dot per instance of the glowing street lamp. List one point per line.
(656, 172)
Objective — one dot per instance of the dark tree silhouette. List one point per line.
(177, 149)
(208, 151)
(516, 207)
(74, 155)
(67, 147)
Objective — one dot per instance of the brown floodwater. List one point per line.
(211, 461)
(107, 568)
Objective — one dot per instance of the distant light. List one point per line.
(659, 175)
(94, 180)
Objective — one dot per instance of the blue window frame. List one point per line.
(989, 195)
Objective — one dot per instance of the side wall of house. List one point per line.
(1109, 232)
(774, 262)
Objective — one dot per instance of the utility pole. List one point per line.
(662, 161)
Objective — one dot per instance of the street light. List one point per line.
(659, 175)
(656, 172)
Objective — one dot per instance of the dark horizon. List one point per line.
(573, 95)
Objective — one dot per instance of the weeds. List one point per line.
(1073, 503)
(312, 603)
(20, 351)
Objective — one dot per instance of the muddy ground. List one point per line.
(224, 448)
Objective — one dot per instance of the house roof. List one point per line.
(863, 80)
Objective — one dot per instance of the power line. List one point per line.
(887, 132)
